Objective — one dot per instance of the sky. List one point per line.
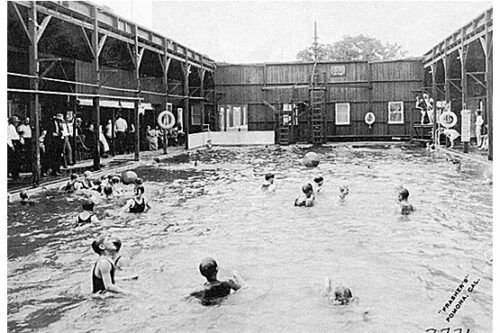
(275, 31)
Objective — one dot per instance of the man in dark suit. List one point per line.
(54, 143)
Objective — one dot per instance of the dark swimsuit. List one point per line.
(97, 282)
(138, 207)
(87, 220)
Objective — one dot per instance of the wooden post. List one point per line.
(202, 72)
(137, 64)
(96, 100)
(165, 62)
(35, 109)
(489, 93)
(434, 96)
(186, 68)
(463, 62)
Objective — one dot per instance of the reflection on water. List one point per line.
(403, 269)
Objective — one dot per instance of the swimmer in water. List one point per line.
(73, 184)
(268, 184)
(343, 192)
(405, 207)
(214, 289)
(307, 198)
(319, 180)
(339, 295)
(137, 204)
(25, 199)
(103, 272)
(87, 215)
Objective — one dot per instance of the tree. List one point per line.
(358, 48)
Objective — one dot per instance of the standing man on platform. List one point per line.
(13, 148)
(54, 143)
(121, 127)
(24, 131)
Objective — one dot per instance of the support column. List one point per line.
(137, 64)
(434, 96)
(186, 69)
(202, 72)
(96, 100)
(35, 109)
(165, 64)
(463, 62)
(488, 50)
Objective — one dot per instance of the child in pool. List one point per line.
(268, 184)
(405, 207)
(137, 204)
(103, 272)
(338, 296)
(343, 192)
(73, 184)
(307, 198)
(87, 215)
(25, 199)
(319, 180)
(214, 289)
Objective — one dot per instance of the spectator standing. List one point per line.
(13, 147)
(54, 143)
(121, 127)
(110, 136)
(43, 153)
(152, 138)
(479, 126)
(67, 133)
(25, 138)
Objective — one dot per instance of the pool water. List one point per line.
(404, 269)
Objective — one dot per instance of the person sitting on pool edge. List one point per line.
(87, 216)
(137, 204)
(307, 198)
(319, 180)
(338, 296)
(405, 206)
(214, 289)
(103, 272)
(268, 184)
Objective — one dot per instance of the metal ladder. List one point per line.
(317, 97)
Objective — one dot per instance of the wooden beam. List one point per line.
(88, 41)
(477, 80)
(21, 21)
(42, 28)
(48, 68)
(102, 40)
(139, 57)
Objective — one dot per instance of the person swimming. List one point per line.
(338, 296)
(87, 216)
(343, 192)
(319, 181)
(214, 289)
(73, 184)
(25, 199)
(268, 184)
(103, 272)
(405, 207)
(307, 198)
(138, 204)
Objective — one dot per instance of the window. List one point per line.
(396, 115)
(342, 114)
(235, 117)
(196, 114)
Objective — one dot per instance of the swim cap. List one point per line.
(208, 267)
(108, 190)
(307, 188)
(269, 176)
(404, 193)
(97, 242)
(318, 179)
(88, 205)
(23, 195)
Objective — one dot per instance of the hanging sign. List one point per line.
(337, 70)
(466, 125)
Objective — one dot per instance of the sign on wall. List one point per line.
(337, 70)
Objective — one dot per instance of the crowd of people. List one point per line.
(65, 140)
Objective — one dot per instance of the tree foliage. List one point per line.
(357, 48)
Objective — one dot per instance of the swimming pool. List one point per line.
(403, 269)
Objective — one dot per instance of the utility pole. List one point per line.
(315, 43)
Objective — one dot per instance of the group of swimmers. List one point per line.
(308, 195)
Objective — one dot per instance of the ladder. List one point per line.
(284, 133)
(317, 97)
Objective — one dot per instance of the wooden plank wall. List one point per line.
(390, 81)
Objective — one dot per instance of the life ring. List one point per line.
(369, 118)
(444, 119)
(161, 119)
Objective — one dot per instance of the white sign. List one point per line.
(466, 125)
(338, 70)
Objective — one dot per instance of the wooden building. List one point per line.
(260, 96)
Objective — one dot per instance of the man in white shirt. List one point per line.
(121, 130)
(13, 149)
(479, 126)
(24, 131)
